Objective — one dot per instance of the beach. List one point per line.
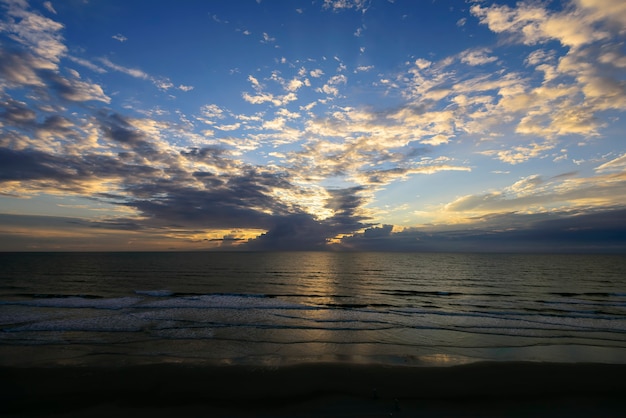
(316, 390)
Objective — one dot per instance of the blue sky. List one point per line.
(307, 125)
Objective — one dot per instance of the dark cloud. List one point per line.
(198, 208)
(117, 128)
(19, 68)
(346, 204)
(302, 232)
(378, 232)
(22, 69)
(31, 165)
(299, 232)
(17, 114)
(601, 231)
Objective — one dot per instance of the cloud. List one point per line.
(557, 232)
(133, 72)
(295, 84)
(616, 164)
(534, 194)
(611, 10)
(477, 57)
(76, 90)
(363, 68)
(48, 6)
(532, 24)
(340, 5)
(217, 19)
(87, 64)
(268, 97)
(162, 83)
(21, 69)
(330, 87)
(303, 232)
(39, 34)
(267, 39)
(519, 153)
(119, 37)
(166, 177)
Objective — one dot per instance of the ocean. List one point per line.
(274, 309)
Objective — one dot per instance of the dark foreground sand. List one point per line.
(316, 390)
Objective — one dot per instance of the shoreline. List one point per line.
(301, 390)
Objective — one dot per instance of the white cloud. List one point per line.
(363, 68)
(477, 57)
(212, 111)
(317, 73)
(422, 63)
(275, 124)
(231, 127)
(133, 72)
(533, 24)
(119, 37)
(162, 83)
(40, 34)
(435, 140)
(532, 194)
(330, 87)
(616, 164)
(268, 97)
(87, 64)
(611, 10)
(217, 19)
(48, 6)
(287, 114)
(338, 5)
(267, 39)
(255, 82)
(294, 84)
(519, 153)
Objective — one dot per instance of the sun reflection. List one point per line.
(443, 359)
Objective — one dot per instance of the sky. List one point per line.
(396, 125)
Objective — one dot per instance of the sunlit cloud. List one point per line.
(331, 143)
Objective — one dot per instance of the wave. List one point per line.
(160, 314)
(597, 294)
(78, 302)
(155, 293)
(57, 296)
(403, 292)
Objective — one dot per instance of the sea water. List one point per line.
(284, 308)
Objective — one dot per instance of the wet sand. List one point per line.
(316, 390)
